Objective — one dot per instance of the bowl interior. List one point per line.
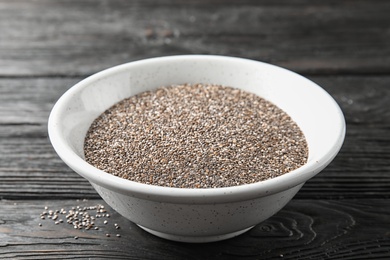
(317, 114)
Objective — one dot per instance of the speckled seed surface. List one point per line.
(195, 136)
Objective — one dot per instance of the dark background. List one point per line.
(344, 46)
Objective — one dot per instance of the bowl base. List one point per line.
(195, 239)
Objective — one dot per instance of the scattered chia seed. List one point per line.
(195, 136)
(78, 217)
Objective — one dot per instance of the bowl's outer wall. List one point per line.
(183, 219)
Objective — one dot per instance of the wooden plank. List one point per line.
(304, 229)
(81, 37)
(30, 168)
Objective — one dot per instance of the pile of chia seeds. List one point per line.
(80, 217)
(195, 136)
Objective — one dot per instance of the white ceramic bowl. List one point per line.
(197, 215)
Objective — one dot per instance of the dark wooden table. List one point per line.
(46, 46)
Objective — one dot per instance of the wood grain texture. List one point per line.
(47, 46)
(81, 37)
(29, 167)
(304, 229)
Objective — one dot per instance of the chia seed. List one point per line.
(195, 136)
(78, 217)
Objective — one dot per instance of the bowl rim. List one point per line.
(184, 195)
